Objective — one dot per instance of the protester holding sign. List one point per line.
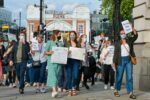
(39, 64)
(122, 61)
(53, 68)
(72, 68)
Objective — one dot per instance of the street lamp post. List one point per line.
(41, 6)
(41, 16)
(19, 21)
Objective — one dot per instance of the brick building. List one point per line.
(77, 19)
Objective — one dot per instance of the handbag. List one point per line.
(5, 61)
(36, 63)
(133, 59)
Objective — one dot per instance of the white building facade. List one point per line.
(75, 19)
(141, 15)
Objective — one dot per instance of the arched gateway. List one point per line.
(58, 25)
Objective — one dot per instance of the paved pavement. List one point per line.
(95, 93)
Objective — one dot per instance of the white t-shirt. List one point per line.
(109, 56)
(102, 55)
(125, 49)
(40, 55)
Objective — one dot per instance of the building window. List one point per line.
(31, 27)
(81, 28)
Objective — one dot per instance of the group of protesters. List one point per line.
(22, 66)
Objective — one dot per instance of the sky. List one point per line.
(20, 5)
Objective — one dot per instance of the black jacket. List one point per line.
(2, 51)
(25, 52)
(117, 53)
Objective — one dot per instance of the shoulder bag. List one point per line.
(133, 59)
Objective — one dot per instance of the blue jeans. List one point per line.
(20, 71)
(42, 77)
(62, 77)
(126, 65)
(36, 74)
(30, 75)
(72, 71)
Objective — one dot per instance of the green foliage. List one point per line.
(125, 8)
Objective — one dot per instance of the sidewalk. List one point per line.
(95, 93)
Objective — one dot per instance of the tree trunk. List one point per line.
(116, 19)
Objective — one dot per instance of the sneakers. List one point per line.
(14, 85)
(54, 94)
(105, 87)
(21, 91)
(43, 90)
(112, 88)
(64, 90)
(27, 85)
(10, 85)
(35, 84)
(59, 90)
(37, 90)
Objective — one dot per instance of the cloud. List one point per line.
(68, 8)
(51, 6)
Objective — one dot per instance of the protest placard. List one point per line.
(35, 46)
(77, 53)
(60, 55)
(127, 26)
(12, 37)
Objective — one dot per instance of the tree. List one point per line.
(117, 11)
(126, 7)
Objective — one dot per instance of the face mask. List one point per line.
(59, 37)
(123, 36)
(72, 37)
(84, 39)
(22, 38)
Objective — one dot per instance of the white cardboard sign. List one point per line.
(127, 26)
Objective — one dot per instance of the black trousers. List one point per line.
(109, 75)
(12, 76)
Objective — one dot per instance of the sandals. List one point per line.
(72, 93)
(116, 94)
(132, 96)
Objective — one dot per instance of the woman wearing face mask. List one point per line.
(10, 69)
(72, 68)
(53, 68)
(107, 56)
(83, 42)
(123, 50)
(40, 70)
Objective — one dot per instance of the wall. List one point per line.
(141, 14)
